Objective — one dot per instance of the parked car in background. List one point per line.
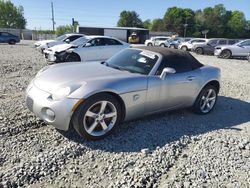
(209, 46)
(187, 46)
(156, 41)
(240, 49)
(97, 96)
(174, 43)
(6, 37)
(57, 52)
(66, 38)
(96, 48)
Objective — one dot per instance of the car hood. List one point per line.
(42, 42)
(60, 47)
(80, 74)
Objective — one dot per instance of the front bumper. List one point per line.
(217, 52)
(56, 113)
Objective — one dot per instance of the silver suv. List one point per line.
(209, 46)
(241, 49)
(156, 41)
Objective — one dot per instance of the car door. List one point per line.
(5, 37)
(111, 47)
(244, 48)
(92, 52)
(1, 38)
(210, 46)
(179, 89)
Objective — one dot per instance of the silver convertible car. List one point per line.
(95, 97)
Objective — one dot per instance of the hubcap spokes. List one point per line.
(100, 118)
(208, 101)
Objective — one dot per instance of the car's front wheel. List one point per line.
(199, 51)
(97, 116)
(150, 44)
(12, 42)
(184, 48)
(72, 57)
(162, 45)
(226, 54)
(206, 100)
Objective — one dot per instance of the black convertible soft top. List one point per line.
(171, 54)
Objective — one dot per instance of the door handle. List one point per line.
(190, 78)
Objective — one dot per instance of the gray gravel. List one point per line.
(174, 149)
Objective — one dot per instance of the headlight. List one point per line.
(61, 93)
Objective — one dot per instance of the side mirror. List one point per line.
(167, 71)
(67, 41)
(88, 45)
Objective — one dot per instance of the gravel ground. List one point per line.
(174, 149)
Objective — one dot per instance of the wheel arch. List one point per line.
(115, 95)
(214, 83)
(77, 54)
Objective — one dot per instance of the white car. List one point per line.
(95, 48)
(57, 52)
(157, 41)
(187, 46)
(66, 38)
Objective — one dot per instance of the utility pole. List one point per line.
(185, 28)
(73, 24)
(53, 19)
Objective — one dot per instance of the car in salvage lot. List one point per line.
(241, 49)
(66, 38)
(187, 46)
(9, 38)
(156, 41)
(97, 96)
(209, 46)
(97, 48)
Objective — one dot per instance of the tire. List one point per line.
(226, 54)
(208, 95)
(199, 51)
(248, 57)
(72, 58)
(12, 42)
(162, 45)
(150, 44)
(184, 48)
(90, 121)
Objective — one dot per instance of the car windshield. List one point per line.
(80, 41)
(133, 60)
(60, 38)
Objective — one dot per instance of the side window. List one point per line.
(5, 34)
(222, 42)
(72, 38)
(213, 42)
(94, 42)
(179, 63)
(231, 42)
(112, 42)
(246, 43)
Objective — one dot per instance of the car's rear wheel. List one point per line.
(12, 42)
(184, 48)
(226, 54)
(206, 100)
(150, 44)
(162, 45)
(97, 116)
(199, 51)
(72, 57)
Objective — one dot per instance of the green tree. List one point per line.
(157, 25)
(237, 24)
(11, 16)
(62, 29)
(147, 24)
(129, 19)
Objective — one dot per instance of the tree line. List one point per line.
(218, 21)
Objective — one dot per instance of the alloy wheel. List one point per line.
(208, 101)
(100, 118)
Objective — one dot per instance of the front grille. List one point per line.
(29, 103)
